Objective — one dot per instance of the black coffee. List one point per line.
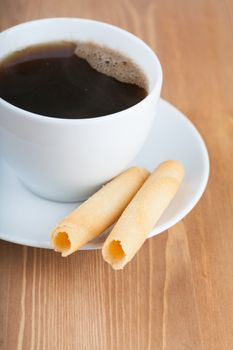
(71, 80)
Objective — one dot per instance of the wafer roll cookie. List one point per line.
(141, 215)
(98, 213)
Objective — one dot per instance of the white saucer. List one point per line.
(28, 219)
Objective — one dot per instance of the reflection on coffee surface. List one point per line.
(71, 80)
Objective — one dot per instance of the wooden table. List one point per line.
(178, 292)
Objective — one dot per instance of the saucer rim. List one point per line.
(157, 229)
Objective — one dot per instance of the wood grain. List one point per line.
(178, 292)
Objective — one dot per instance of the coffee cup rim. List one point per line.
(98, 119)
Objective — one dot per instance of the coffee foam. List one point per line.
(111, 63)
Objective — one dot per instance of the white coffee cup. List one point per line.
(66, 159)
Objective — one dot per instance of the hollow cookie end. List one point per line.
(114, 254)
(61, 243)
